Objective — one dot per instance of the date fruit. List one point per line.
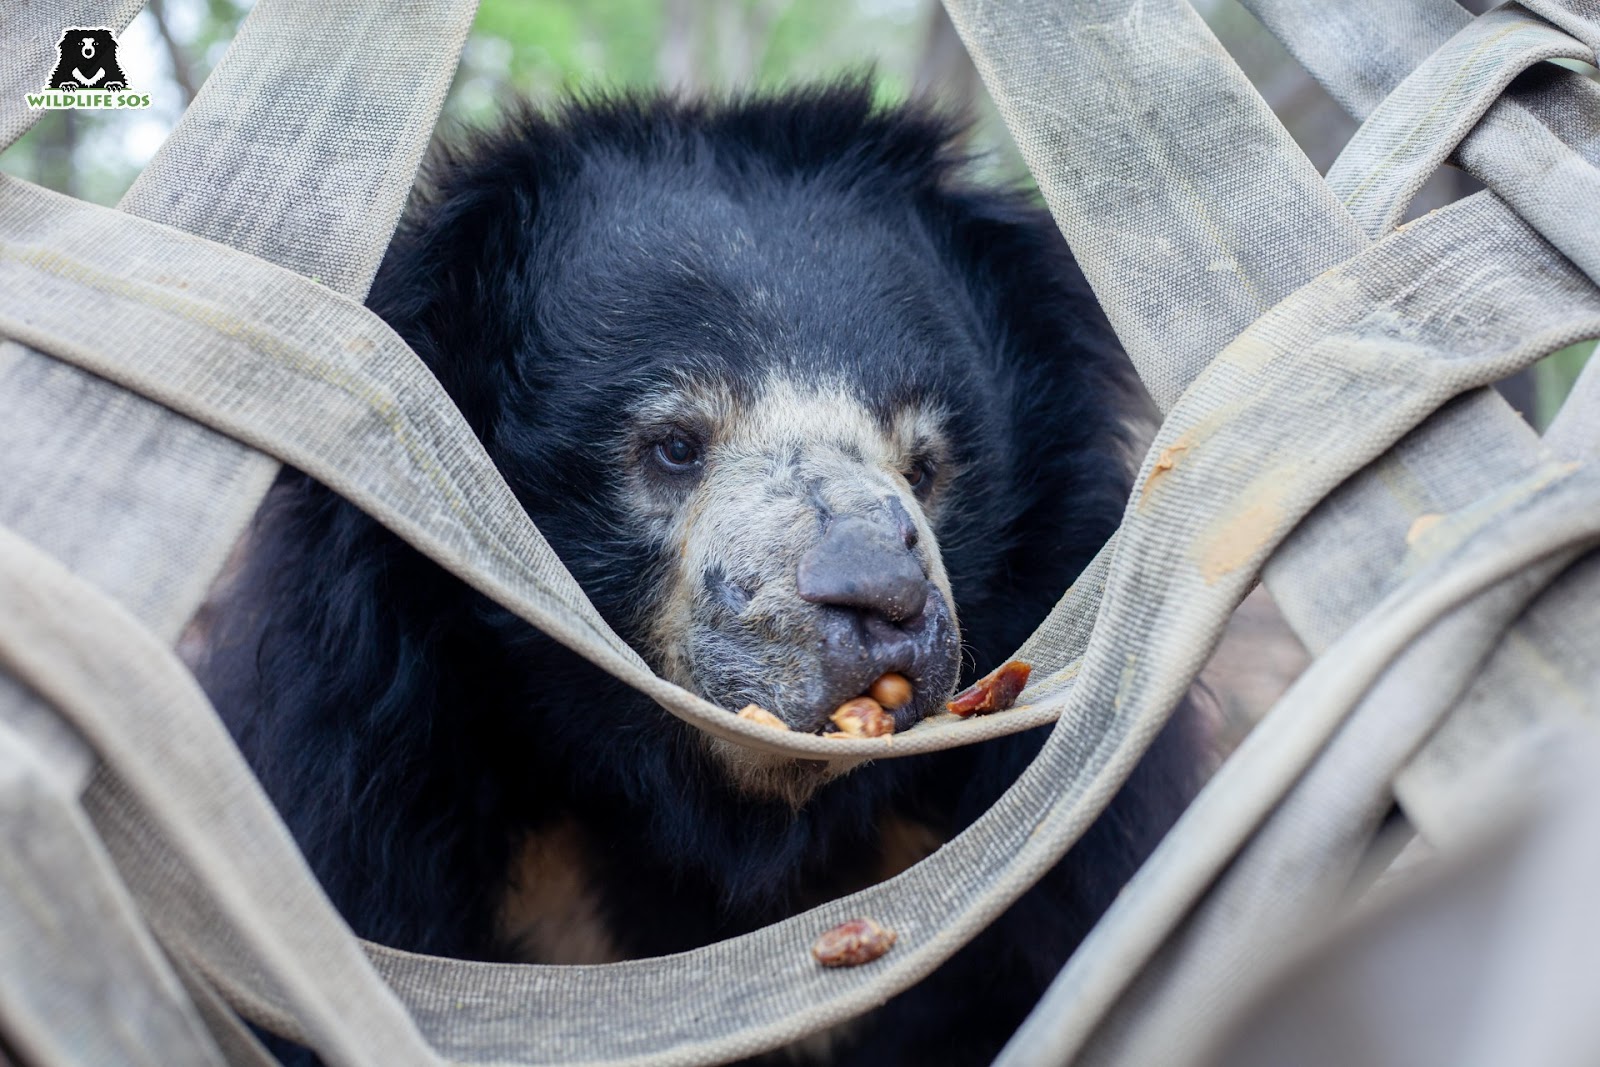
(759, 714)
(862, 717)
(852, 943)
(995, 691)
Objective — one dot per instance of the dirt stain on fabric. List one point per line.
(1164, 464)
(1420, 527)
(1236, 538)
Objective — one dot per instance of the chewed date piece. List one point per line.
(852, 943)
(995, 691)
(862, 717)
(757, 714)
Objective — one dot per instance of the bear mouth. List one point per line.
(832, 655)
(926, 651)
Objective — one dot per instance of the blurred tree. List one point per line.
(181, 65)
(692, 46)
(944, 72)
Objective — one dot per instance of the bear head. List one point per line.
(787, 395)
(87, 59)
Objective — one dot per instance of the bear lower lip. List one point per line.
(804, 673)
(925, 701)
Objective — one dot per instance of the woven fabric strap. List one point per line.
(1318, 833)
(1238, 482)
(1484, 956)
(1333, 349)
(281, 154)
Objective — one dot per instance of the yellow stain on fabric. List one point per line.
(1420, 527)
(1183, 447)
(1249, 353)
(1165, 462)
(1236, 537)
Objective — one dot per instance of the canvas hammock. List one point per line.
(1327, 429)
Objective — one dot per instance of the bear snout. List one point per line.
(880, 613)
(863, 565)
(800, 653)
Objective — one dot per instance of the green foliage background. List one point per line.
(546, 48)
(536, 48)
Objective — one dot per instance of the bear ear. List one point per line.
(451, 283)
(1011, 242)
(1074, 378)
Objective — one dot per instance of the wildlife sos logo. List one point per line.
(87, 74)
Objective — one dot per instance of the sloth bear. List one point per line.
(792, 397)
(87, 59)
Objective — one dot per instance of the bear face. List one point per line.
(792, 560)
(757, 391)
(797, 404)
(87, 59)
(797, 562)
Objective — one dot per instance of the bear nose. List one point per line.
(863, 565)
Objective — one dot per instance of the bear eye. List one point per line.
(678, 453)
(919, 476)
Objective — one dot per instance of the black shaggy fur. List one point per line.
(70, 57)
(409, 729)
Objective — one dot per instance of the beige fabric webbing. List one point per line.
(83, 983)
(1490, 958)
(1434, 109)
(1325, 799)
(1192, 214)
(240, 1047)
(1189, 208)
(285, 153)
(1538, 147)
(140, 501)
(163, 750)
(1319, 833)
(1291, 362)
(147, 504)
